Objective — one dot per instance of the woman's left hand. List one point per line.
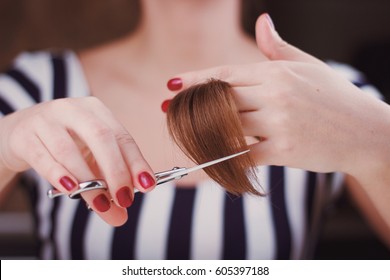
(307, 115)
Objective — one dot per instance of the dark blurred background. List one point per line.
(355, 32)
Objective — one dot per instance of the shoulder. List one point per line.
(34, 77)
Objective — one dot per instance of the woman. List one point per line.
(121, 88)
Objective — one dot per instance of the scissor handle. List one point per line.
(169, 175)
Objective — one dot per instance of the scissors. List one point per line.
(175, 173)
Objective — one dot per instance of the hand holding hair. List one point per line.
(204, 122)
(308, 115)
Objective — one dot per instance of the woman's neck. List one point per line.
(191, 34)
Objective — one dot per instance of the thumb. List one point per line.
(274, 47)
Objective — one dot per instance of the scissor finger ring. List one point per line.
(88, 186)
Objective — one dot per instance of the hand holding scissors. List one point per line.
(175, 173)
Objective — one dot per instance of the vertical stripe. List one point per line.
(64, 223)
(98, 239)
(258, 222)
(123, 245)
(234, 245)
(5, 108)
(53, 218)
(152, 230)
(279, 213)
(208, 222)
(310, 192)
(27, 84)
(59, 91)
(31, 187)
(296, 211)
(179, 236)
(78, 231)
(59, 76)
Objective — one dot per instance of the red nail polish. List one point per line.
(124, 197)
(67, 183)
(146, 180)
(101, 203)
(175, 84)
(165, 105)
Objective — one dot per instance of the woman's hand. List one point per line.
(306, 114)
(69, 141)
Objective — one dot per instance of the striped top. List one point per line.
(169, 222)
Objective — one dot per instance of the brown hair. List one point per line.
(204, 122)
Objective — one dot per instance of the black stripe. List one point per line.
(59, 91)
(279, 213)
(28, 85)
(360, 83)
(123, 245)
(53, 221)
(78, 231)
(179, 238)
(310, 191)
(60, 77)
(31, 186)
(234, 245)
(5, 108)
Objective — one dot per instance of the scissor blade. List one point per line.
(206, 164)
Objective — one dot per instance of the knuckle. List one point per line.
(125, 139)
(224, 72)
(284, 146)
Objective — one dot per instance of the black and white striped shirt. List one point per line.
(168, 223)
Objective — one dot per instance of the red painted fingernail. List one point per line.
(175, 84)
(124, 197)
(101, 203)
(67, 183)
(146, 180)
(165, 105)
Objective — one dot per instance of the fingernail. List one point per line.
(146, 180)
(67, 183)
(175, 84)
(165, 105)
(101, 203)
(270, 21)
(124, 197)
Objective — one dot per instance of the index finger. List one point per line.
(235, 75)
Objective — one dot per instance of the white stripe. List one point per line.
(207, 232)
(37, 66)
(14, 94)
(154, 221)
(44, 208)
(295, 204)
(76, 82)
(65, 216)
(260, 233)
(98, 239)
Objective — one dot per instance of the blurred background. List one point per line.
(355, 32)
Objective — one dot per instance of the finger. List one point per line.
(252, 125)
(263, 153)
(116, 153)
(59, 154)
(274, 47)
(39, 158)
(248, 98)
(141, 173)
(235, 75)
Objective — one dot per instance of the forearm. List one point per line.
(370, 175)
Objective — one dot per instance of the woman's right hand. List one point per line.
(72, 140)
